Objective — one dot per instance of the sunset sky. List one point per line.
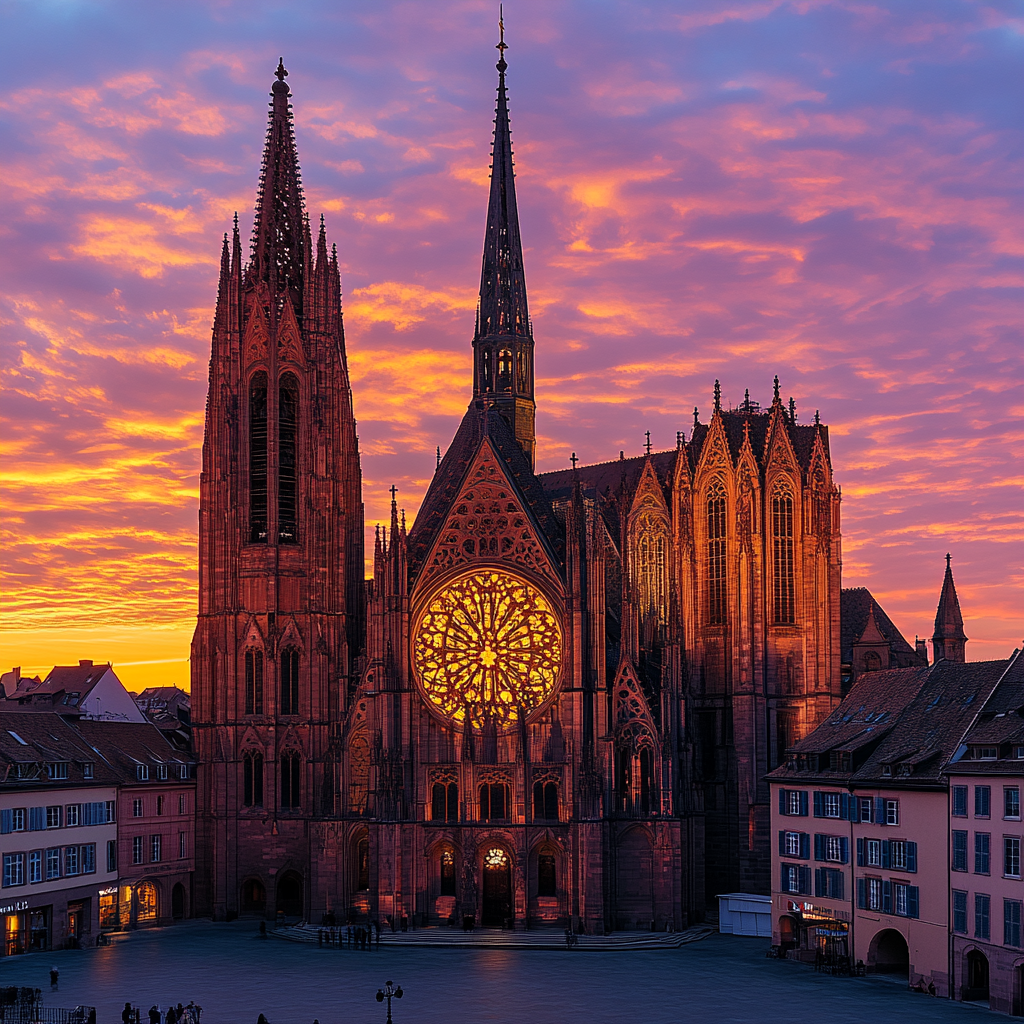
(829, 191)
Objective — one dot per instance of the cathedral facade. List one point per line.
(556, 701)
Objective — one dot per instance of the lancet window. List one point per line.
(505, 370)
(650, 569)
(547, 879)
(717, 591)
(783, 586)
(290, 681)
(494, 802)
(444, 802)
(253, 682)
(291, 781)
(252, 779)
(258, 459)
(447, 873)
(545, 801)
(358, 772)
(287, 474)
(363, 864)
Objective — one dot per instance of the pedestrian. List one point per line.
(170, 1018)
(54, 977)
(127, 1015)
(154, 1015)
(263, 929)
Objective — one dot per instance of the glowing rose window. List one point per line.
(488, 645)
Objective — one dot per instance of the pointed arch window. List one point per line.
(783, 583)
(545, 801)
(444, 802)
(287, 473)
(717, 592)
(522, 371)
(258, 458)
(291, 781)
(358, 772)
(447, 873)
(547, 878)
(363, 864)
(505, 370)
(650, 571)
(485, 370)
(252, 779)
(290, 681)
(253, 682)
(494, 802)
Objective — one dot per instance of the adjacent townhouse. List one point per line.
(58, 833)
(859, 809)
(986, 783)
(96, 828)
(156, 824)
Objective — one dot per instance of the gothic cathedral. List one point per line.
(556, 701)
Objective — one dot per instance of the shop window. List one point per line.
(546, 878)
(145, 902)
(108, 909)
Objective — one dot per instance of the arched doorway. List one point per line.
(889, 954)
(976, 989)
(497, 889)
(787, 933)
(253, 898)
(146, 903)
(178, 902)
(634, 894)
(289, 894)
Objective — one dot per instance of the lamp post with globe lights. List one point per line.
(389, 992)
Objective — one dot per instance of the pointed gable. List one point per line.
(714, 454)
(631, 716)
(257, 333)
(289, 338)
(490, 519)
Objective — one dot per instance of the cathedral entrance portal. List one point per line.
(497, 887)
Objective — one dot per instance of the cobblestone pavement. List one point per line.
(235, 976)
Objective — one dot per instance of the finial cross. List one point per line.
(281, 73)
(573, 460)
(394, 491)
(648, 444)
(502, 45)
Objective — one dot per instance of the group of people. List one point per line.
(354, 937)
(179, 1014)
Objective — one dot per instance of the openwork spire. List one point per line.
(503, 311)
(277, 240)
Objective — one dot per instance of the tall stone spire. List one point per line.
(949, 641)
(503, 342)
(277, 238)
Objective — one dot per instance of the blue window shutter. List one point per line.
(913, 901)
(6, 821)
(803, 803)
(862, 893)
(782, 801)
(886, 858)
(879, 811)
(887, 897)
(805, 880)
(101, 812)
(844, 806)
(817, 882)
(860, 853)
(819, 846)
(840, 886)
(36, 819)
(854, 809)
(844, 849)
(912, 857)
(782, 844)
(818, 809)
(783, 879)
(805, 846)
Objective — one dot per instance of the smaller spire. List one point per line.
(777, 388)
(817, 418)
(718, 397)
(438, 466)
(696, 416)
(949, 641)
(680, 439)
(792, 410)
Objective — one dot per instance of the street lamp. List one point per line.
(389, 992)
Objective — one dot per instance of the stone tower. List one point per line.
(949, 640)
(280, 550)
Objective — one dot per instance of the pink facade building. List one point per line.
(859, 814)
(986, 781)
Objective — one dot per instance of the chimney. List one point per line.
(922, 650)
(84, 664)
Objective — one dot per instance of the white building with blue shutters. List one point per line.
(58, 834)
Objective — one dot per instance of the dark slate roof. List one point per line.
(1001, 724)
(48, 737)
(854, 605)
(932, 726)
(445, 485)
(607, 478)
(871, 709)
(127, 744)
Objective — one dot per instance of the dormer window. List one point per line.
(906, 769)
(57, 770)
(886, 771)
(984, 753)
(87, 770)
(142, 772)
(161, 771)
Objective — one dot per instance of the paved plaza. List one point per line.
(234, 976)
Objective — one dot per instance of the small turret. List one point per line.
(949, 640)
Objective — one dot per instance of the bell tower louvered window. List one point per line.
(258, 459)
(287, 476)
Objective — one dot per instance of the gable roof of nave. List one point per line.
(444, 488)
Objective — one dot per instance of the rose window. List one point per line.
(487, 646)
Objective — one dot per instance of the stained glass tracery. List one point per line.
(488, 646)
